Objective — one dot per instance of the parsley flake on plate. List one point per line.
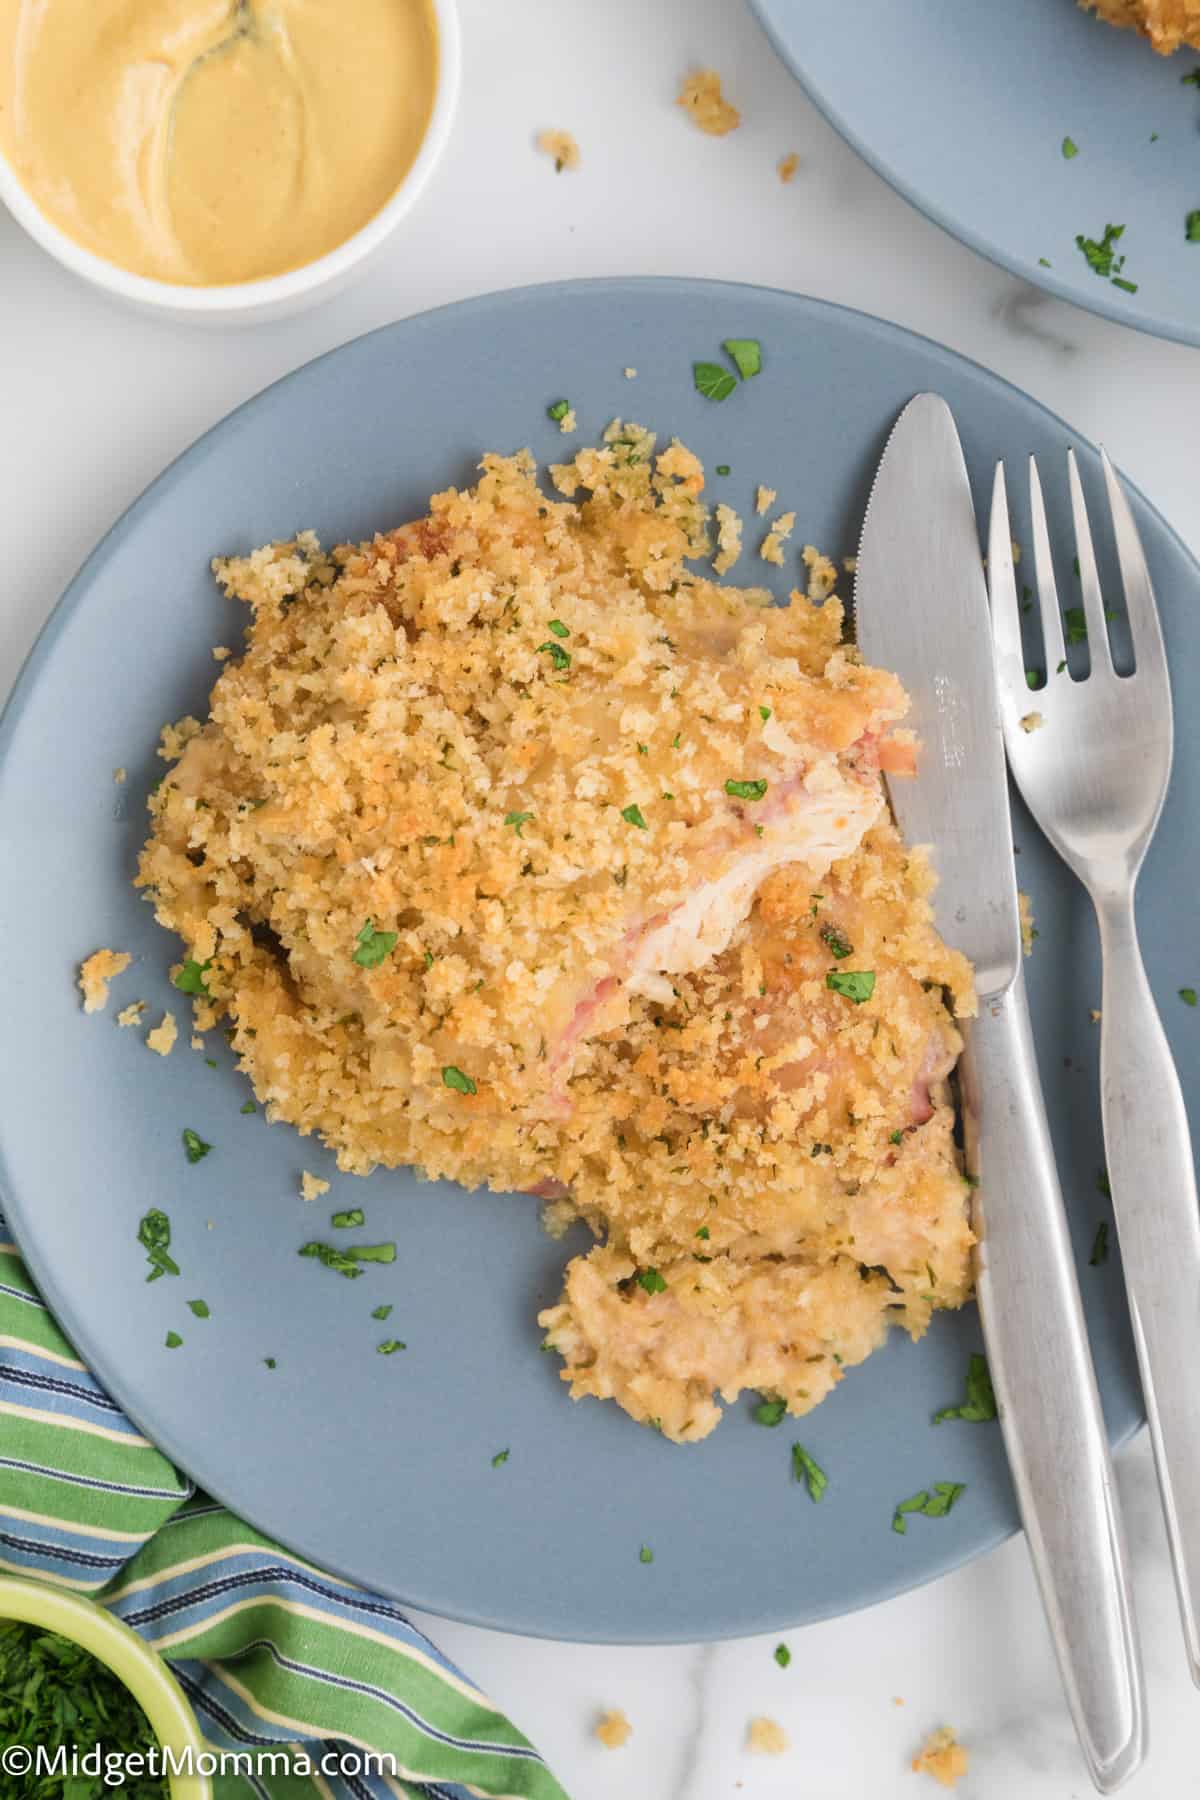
(270, 1362)
(1188, 996)
(194, 1146)
(746, 354)
(559, 410)
(381, 1312)
(651, 1281)
(931, 1503)
(348, 1220)
(1076, 623)
(200, 1308)
(454, 1078)
(339, 1260)
(723, 469)
(248, 1106)
(190, 979)
(1100, 1245)
(746, 790)
(854, 984)
(1069, 148)
(372, 946)
(518, 820)
(645, 1554)
(389, 1347)
(632, 815)
(782, 1655)
(711, 380)
(769, 1412)
(173, 1340)
(979, 1406)
(807, 1469)
(154, 1235)
(1191, 227)
(499, 1459)
(558, 656)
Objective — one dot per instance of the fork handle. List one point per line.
(1153, 1180)
(1041, 1368)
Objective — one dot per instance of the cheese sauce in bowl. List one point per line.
(217, 146)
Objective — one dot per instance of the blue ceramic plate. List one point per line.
(964, 109)
(381, 1467)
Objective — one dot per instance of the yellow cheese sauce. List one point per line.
(214, 141)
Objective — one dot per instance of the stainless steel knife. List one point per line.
(921, 609)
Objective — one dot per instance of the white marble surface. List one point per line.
(93, 402)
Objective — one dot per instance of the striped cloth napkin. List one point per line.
(269, 1649)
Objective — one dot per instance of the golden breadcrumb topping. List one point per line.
(95, 973)
(766, 1737)
(776, 538)
(787, 167)
(943, 1757)
(1028, 924)
(131, 1014)
(312, 1187)
(1167, 24)
(162, 1039)
(764, 500)
(613, 1729)
(702, 100)
(519, 851)
(729, 539)
(562, 147)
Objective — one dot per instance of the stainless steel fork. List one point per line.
(1092, 758)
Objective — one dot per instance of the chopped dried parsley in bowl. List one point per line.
(73, 1674)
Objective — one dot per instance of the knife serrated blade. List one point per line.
(921, 608)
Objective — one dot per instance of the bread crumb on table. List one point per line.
(1028, 928)
(1095, 1013)
(222, 653)
(701, 98)
(119, 776)
(1032, 721)
(776, 538)
(942, 1756)
(631, 374)
(766, 1737)
(312, 1187)
(822, 574)
(131, 1014)
(729, 539)
(568, 422)
(787, 167)
(613, 1729)
(95, 973)
(764, 500)
(562, 147)
(162, 1039)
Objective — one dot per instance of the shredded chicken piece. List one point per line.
(701, 98)
(95, 973)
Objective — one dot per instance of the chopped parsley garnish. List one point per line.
(770, 1412)
(1102, 258)
(764, 713)
(723, 469)
(1062, 665)
(746, 354)
(558, 656)
(57, 1695)
(516, 820)
(248, 1106)
(783, 1655)
(381, 1312)
(1034, 679)
(645, 1554)
(346, 1262)
(190, 979)
(745, 790)
(1102, 1184)
(499, 1459)
(349, 1220)
(373, 946)
(454, 1078)
(173, 1340)
(270, 1362)
(896, 1137)
(651, 1280)
(1100, 1245)
(1188, 996)
(154, 1235)
(1044, 262)
(389, 1347)
(381, 1253)
(559, 410)
(200, 1308)
(854, 984)
(1192, 78)
(1069, 148)
(1130, 287)
(632, 815)
(932, 1503)
(979, 1406)
(1192, 227)
(704, 1232)
(194, 1146)
(711, 380)
(805, 1468)
(838, 943)
(1076, 623)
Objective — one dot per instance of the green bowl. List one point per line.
(129, 1657)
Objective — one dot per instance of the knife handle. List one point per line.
(1041, 1368)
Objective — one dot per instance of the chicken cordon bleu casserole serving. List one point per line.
(517, 850)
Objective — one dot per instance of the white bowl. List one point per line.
(245, 302)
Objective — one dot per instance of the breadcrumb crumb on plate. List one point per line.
(131, 1014)
(766, 1737)
(1028, 926)
(764, 500)
(776, 538)
(729, 539)
(312, 1187)
(613, 1729)
(822, 575)
(162, 1039)
(562, 147)
(95, 973)
(701, 98)
(787, 167)
(1032, 721)
(943, 1757)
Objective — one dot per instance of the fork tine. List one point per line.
(1002, 592)
(1144, 625)
(1089, 581)
(1043, 563)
